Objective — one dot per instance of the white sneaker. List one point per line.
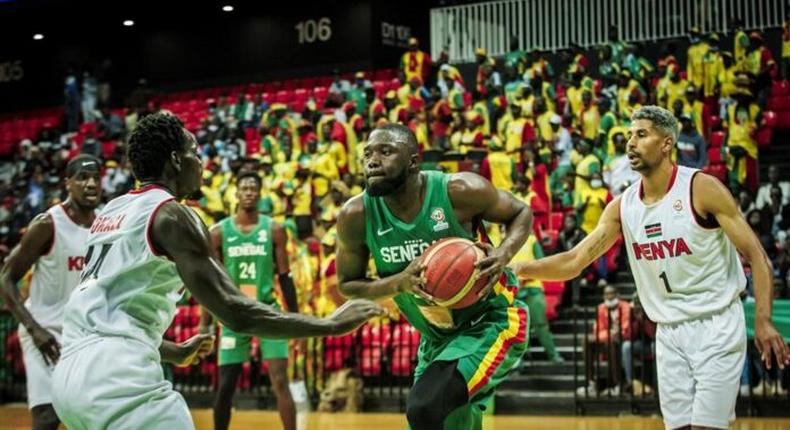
(744, 390)
(612, 391)
(591, 389)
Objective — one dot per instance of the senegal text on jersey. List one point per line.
(246, 250)
(410, 250)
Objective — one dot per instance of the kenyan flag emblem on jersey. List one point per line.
(653, 230)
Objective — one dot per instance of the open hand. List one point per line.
(768, 340)
(353, 314)
(195, 349)
(47, 344)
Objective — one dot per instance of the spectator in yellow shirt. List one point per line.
(499, 166)
(589, 118)
(415, 62)
(591, 201)
(675, 88)
(696, 54)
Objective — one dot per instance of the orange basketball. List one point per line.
(450, 272)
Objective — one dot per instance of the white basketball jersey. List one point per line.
(682, 270)
(57, 273)
(126, 289)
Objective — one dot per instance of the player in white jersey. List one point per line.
(681, 229)
(54, 245)
(143, 248)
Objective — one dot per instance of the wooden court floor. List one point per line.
(17, 418)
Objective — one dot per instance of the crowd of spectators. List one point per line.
(553, 133)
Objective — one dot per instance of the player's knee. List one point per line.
(279, 378)
(424, 413)
(279, 382)
(45, 418)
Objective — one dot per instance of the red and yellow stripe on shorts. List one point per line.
(515, 332)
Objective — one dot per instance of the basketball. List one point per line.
(450, 272)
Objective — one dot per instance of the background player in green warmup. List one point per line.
(251, 245)
(464, 353)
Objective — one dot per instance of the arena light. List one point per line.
(227, 8)
(38, 36)
(128, 23)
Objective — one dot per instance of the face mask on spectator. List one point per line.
(596, 183)
(612, 303)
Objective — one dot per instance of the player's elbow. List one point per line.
(233, 318)
(346, 290)
(7, 284)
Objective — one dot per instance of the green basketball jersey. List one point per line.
(394, 243)
(249, 258)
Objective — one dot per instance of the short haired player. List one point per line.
(682, 232)
(143, 249)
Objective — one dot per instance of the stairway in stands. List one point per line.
(542, 387)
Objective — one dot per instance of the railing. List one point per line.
(554, 24)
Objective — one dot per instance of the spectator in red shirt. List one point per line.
(641, 346)
(612, 327)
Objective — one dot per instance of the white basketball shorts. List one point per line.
(699, 368)
(116, 383)
(38, 373)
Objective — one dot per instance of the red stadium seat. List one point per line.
(320, 92)
(272, 87)
(714, 155)
(764, 136)
(268, 97)
(309, 83)
(717, 170)
(717, 139)
(324, 81)
(714, 122)
(283, 96)
(337, 351)
(553, 288)
(783, 119)
(780, 88)
(551, 307)
(301, 94)
(779, 103)
(769, 118)
(379, 88)
(298, 105)
(405, 343)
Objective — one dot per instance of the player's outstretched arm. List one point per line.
(712, 197)
(569, 264)
(473, 198)
(352, 261)
(35, 243)
(180, 234)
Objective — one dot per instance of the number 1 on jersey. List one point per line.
(663, 277)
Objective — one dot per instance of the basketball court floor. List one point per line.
(18, 418)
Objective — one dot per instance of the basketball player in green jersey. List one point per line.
(464, 354)
(251, 246)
